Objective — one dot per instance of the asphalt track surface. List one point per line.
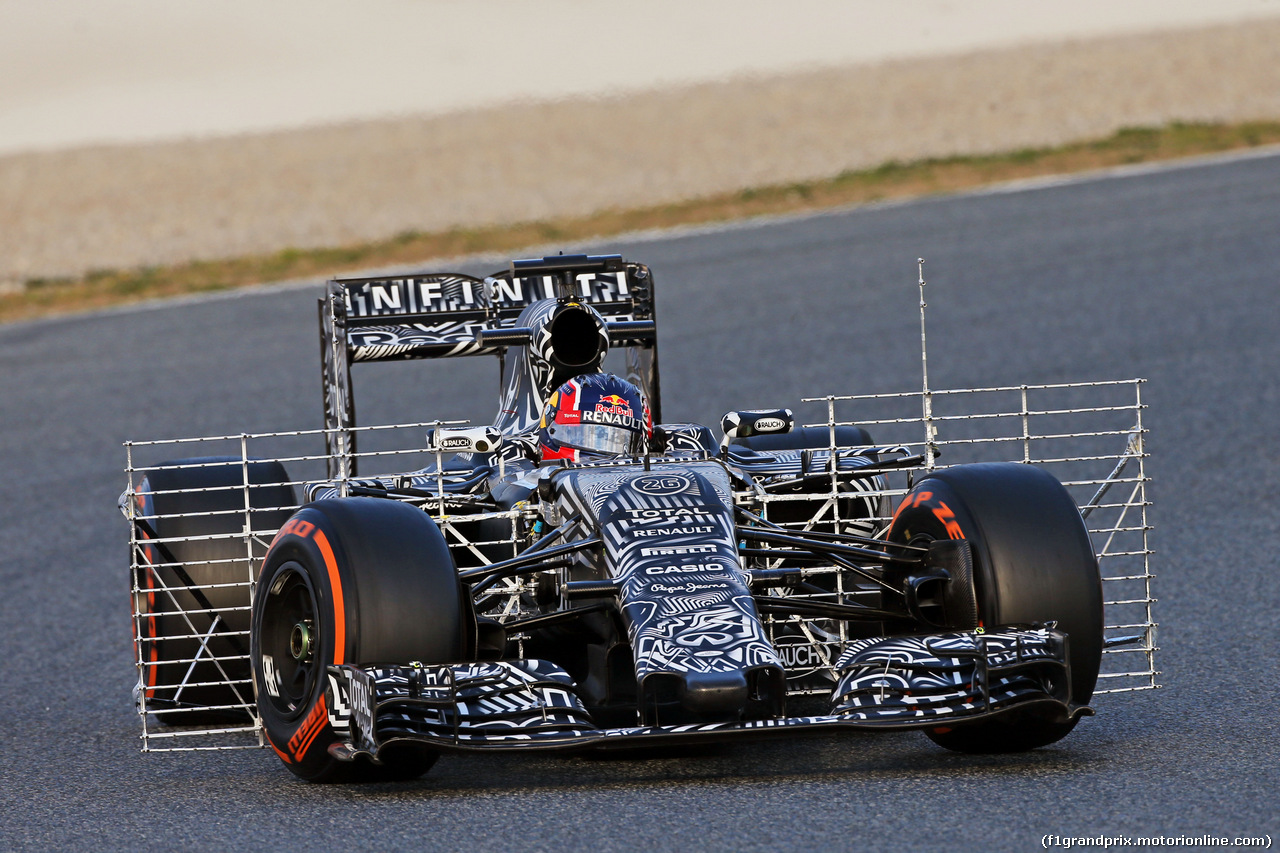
(1169, 275)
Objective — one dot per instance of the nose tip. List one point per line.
(715, 692)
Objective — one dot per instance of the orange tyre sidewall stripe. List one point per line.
(153, 654)
(335, 584)
(318, 718)
(315, 723)
(285, 757)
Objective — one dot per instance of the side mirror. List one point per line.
(484, 439)
(755, 422)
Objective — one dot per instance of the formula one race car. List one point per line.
(579, 574)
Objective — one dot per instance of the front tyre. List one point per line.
(1032, 562)
(358, 581)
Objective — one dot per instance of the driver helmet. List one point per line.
(593, 416)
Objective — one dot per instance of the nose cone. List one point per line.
(715, 694)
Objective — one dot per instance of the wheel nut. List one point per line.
(300, 641)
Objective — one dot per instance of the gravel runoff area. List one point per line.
(67, 212)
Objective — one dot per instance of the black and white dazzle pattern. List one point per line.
(854, 502)
(428, 480)
(584, 491)
(454, 293)
(438, 315)
(888, 683)
(521, 700)
(669, 539)
(950, 674)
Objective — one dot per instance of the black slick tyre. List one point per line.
(356, 581)
(1032, 562)
(192, 593)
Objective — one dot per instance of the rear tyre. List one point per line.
(1032, 562)
(194, 587)
(351, 580)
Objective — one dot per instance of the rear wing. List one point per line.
(441, 315)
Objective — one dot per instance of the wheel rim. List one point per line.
(290, 642)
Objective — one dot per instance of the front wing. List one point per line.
(885, 683)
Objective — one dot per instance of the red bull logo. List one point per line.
(612, 404)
